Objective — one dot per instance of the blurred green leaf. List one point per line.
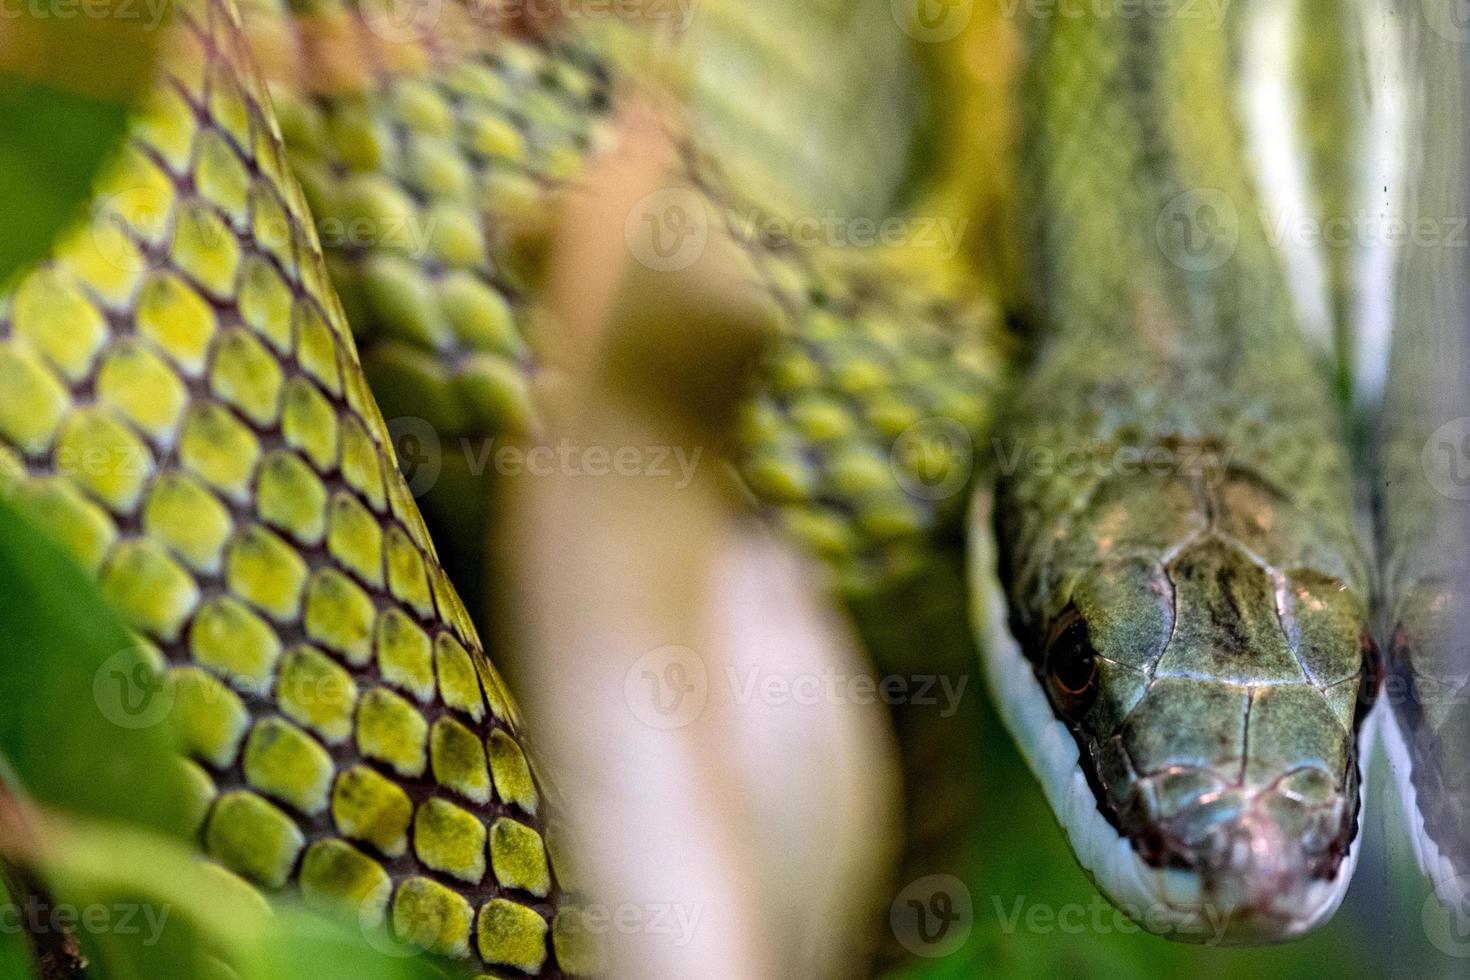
(80, 729)
(50, 146)
(15, 952)
(144, 907)
(148, 908)
(66, 81)
(301, 945)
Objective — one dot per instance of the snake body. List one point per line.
(1175, 527)
(184, 408)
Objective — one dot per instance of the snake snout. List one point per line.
(1261, 863)
(1255, 868)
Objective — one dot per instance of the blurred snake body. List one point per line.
(1422, 497)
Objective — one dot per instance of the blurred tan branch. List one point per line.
(765, 828)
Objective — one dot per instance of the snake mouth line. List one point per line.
(1281, 899)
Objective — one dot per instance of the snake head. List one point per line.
(1206, 706)
(1216, 704)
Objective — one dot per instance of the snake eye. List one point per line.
(1071, 666)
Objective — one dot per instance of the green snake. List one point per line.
(1174, 603)
(1193, 663)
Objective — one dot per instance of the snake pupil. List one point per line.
(1071, 666)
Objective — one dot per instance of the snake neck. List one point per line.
(1146, 232)
(1166, 322)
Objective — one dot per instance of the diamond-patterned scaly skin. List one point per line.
(417, 169)
(182, 405)
(860, 436)
(424, 151)
(859, 432)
